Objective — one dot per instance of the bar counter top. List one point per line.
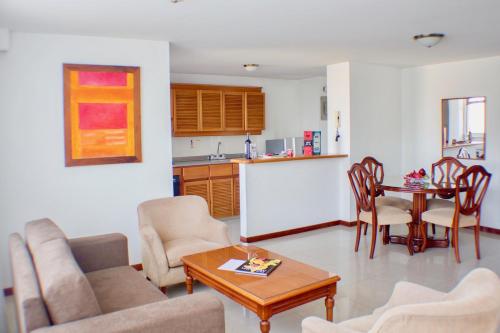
(284, 159)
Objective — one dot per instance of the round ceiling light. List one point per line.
(251, 67)
(428, 40)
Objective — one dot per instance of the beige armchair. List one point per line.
(171, 228)
(473, 307)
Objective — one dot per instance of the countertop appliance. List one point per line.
(277, 146)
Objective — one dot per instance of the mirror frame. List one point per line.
(443, 100)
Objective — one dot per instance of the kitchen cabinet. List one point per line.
(210, 110)
(218, 184)
(198, 187)
(221, 197)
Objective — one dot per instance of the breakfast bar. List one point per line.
(286, 195)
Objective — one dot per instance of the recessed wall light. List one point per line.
(251, 67)
(428, 40)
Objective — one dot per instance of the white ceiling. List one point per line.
(289, 38)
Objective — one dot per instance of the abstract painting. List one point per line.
(102, 114)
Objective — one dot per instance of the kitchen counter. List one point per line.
(202, 160)
(305, 193)
(273, 159)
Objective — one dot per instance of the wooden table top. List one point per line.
(289, 279)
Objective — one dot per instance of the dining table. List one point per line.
(419, 193)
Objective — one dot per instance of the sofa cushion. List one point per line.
(29, 303)
(40, 231)
(65, 289)
(177, 248)
(120, 288)
(362, 324)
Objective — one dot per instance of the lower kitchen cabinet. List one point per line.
(221, 197)
(199, 187)
(217, 184)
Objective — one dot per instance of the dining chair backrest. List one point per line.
(446, 171)
(476, 180)
(363, 187)
(376, 169)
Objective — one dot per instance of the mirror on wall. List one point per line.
(463, 129)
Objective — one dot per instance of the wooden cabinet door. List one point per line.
(236, 195)
(234, 111)
(211, 110)
(221, 200)
(200, 188)
(254, 111)
(185, 111)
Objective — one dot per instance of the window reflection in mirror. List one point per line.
(463, 130)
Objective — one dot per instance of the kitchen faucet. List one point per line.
(219, 155)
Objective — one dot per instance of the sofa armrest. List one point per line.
(410, 293)
(317, 325)
(197, 313)
(99, 252)
(217, 232)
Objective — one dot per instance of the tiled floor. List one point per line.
(365, 283)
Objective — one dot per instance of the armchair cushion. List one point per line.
(387, 215)
(99, 252)
(120, 288)
(66, 292)
(444, 217)
(178, 248)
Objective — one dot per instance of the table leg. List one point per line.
(329, 303)
(265, 326)
(189, 284)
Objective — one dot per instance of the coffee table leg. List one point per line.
(329, 303)
(265, 326)
(189, 284)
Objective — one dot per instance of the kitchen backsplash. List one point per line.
(206, 145)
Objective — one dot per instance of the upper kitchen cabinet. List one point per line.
(204, 110)
(211, 110)
(255, 116)
(186, 117)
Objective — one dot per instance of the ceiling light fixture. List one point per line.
(176, 1)
(251, 67)
(428, 40)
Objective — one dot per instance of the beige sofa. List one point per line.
(87, 285)
(473, 307)
(171, 228)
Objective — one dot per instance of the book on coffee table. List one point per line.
(258, 266)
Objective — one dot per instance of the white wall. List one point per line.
(422, 91)
(376, 115)
(34, 181)
(292, 106)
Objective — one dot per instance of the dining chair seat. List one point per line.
(436, 203)
(392, 201)
(444, 217)
(386, 215)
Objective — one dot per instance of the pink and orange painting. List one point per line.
(102, 114)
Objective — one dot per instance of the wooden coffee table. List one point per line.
(290, 285)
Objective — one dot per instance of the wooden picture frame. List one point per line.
(102, 114)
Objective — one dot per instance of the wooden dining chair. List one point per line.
(376, 169)
(467, 209)
(446, 171)
(364, 190)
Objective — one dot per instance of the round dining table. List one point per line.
(419, 193)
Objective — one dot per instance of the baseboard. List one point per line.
(490, 230)
(137, 267)
(288, 232)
